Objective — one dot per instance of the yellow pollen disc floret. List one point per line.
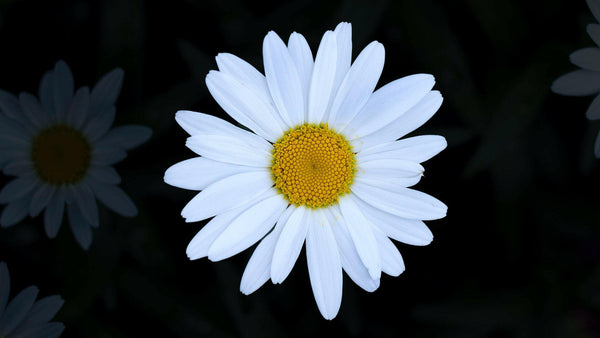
(61, 155)
(312, 165)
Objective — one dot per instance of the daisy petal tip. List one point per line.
(375, 273)
(61, 64)
(343, 25)
(427, 78)
(191, 256)
(556, 87)
(145, 133)
(215, 256)
(182, 115)
(247, 288)
(329, 314)
(210, 76)
(220, 57)
(118, 73)
(270, 39)
(443, 142)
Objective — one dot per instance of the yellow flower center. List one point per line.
(61, 155)
(312, 165)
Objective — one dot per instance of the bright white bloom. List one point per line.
(23, 316)
(62, 151)
(585, 81)
(322, 165)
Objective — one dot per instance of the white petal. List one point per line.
(78, 110)
(4, 287)
(41, 312)
(195, 123)
(343, 37)
(249, 151)
(350, 259)
(127, 137)
(389, 102)
(33, 110)
(199, 245)
(249, 227)
(407, 122)
(389, 183)
(403, 202)
(105, 92)
(389, 173)
(382, 168)
(199, 172)
(324, 267)
(289, 245)
(409, 231)
(587, 58)
(40, 199)
(86, 203)
(105, 174)
(358, 85)
(63, 88)
(103, 156)
(114, 198)
(82, 230)
(99, 124)
(247, 75)
(284, 82)
(321, 90)
(244, 105)
(593, 30)
(258, 269)
(303, 59)
(577, 83)
(17, 310)
(416, 149)
(18, 188)
(14, 212)
(54, 213)
(360, 229)
(391, 260)
(226, 194)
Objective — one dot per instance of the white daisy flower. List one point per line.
(321, 166)
(23, 316)
(585, 81)
(62, 151)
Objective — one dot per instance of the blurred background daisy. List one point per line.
(23, 316)
(61, 149)
(585, 81)
(517, 254)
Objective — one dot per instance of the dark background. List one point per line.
(517, 255)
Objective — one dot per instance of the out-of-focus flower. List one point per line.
(23, 316)
(61, 149)
(585, 81)
(322, 165)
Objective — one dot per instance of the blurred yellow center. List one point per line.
(61, 155)
(312, 165)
